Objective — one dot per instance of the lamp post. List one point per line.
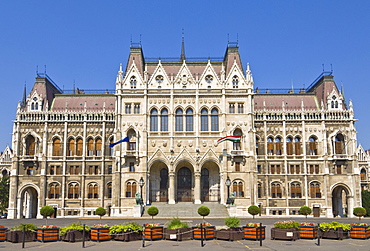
(141, 184)
(228, 184)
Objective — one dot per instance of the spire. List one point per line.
(249, 75)
(119, 76)
(24, 96)
(182, 57)
(342, 93)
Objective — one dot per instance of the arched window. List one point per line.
(109, 190)
(276, 190)
(57, 151)
(30, 145)
(289, 145)
(312, 146)
(54, 191)
(131, 145)
(214, 119)
(189, 120)
(236, 144)
(133, 82)
(339, 144)
(257, 145)
(110, 149)
(73, 190)
(154, 120)
(297, 145)
(71, 147)
(278, 145)
(295, 190)
(164, 120)
(235, 82)
(259, 190)
(363, 174)
(92, 191)
(270, 146)
(79, 147)
(130, 189)
(98, 147)
(315, 190)
(238, 188)
(179, 120)
(204, 120)
(90, 147)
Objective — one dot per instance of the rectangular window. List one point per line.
(294, 169)
(136, 108)
(314, 169)
(153, 123)
(214, 123)
(132, 167)
(109, 169)
(339, 169)
(189, 123)
(237, 166)
(231, 108)
(240, 108)
(204, 123)
(258, 168)
(128, 108)
(275, 169)
(30, 170)
(131, 146)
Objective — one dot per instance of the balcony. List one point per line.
(340, 156)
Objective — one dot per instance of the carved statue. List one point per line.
(138, 198)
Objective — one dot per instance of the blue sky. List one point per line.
(83, 42)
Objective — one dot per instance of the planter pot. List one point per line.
(338, 234)
(100, 234)
(232, 234)
(291, 234)
(17, 236)
(75, 235)
(47, 234)
(308, 232)
(359, 232)
(180, 234)
(153, 233)
(3, 233)
(254, 233)
(208, 233)
(129, 236)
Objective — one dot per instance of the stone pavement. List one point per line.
(214, 245)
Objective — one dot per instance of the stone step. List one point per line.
(187, 209)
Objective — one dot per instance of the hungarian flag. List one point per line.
(233, 138)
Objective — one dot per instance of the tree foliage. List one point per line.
(203, 211)
(254, 210)
(366, 201)
(305, 210)
(359, 212)
(101, 212)
(4, 193)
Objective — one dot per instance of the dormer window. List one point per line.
(34, 104)
(235, 82)
(159, 79)
(209, 79)
(133, 82)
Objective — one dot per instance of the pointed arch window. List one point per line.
(54, 191)
(339, 144)
(179, 120)
(295, 190)
(259, 190)
(164, 120)
(312, 146)
(189, 120)
(154, 120)
(276, 190)
(110, 149)
(133, 82)
(237, 144)
(71, 147)
(214, 120)
(270, 146)
(109, 190)
(235, 82)
(363, 174)
(204, 120)
(297, 146)
(238, 188)
(92, 191)
(30, 145)
(73, 190)
(289, 145)
(315, 190)
(278, 145)
(79, 147)
(90, 147)
(131, 189)
(98, 147)
(57, 149)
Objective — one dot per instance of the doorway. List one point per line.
(184, 185)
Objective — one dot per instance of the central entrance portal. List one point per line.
(184, 185)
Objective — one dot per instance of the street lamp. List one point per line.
(141, 184)
(228, 184)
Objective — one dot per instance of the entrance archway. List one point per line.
(158, 182)
(184, 185)
(340, 201)
(210, 182)
(29, 203)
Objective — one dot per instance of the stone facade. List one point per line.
(297, 148)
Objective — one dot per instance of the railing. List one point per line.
(96, 115)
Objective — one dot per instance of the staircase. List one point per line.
(187, 210)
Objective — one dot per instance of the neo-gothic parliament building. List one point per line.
(296, 148)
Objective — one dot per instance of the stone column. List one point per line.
(197, 188)
(171, 189)
(350, 203)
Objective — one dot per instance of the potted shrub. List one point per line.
(101, 212)
(3, 231)
(234, 232)
(177, 230)
(308, 230)
(46, 211)
(74, 232)
(204, 230)
(285, 230)
(254, 210)
(359, 231)
(334, 230)
(153, 231)
(99, 232)
(130, 231)
(305, 210)
(16, 233)
(254, 231)
(359, 212)
(46, 233)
